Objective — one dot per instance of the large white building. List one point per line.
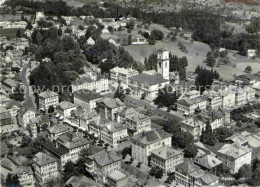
(122, 74)
(95, 83)
(147, 85)
(45, 167)
(47, 99)
(102, 164)
(166, 158)
(234, 156)
(25, 175)
(65, 108)
(86, 99)
(144, 143)
(190, 101)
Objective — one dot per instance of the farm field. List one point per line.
(9, 32)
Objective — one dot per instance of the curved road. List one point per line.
(29, 97)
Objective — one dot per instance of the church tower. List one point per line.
(163, 63)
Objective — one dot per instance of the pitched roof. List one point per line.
(117, 175)
(48, 94)
(70, 140)
(59, 128)
(111, 102)
(149, 79)
(208, 161)
(87, 94)
(234, 150)
(187, 101)
(105, 157)
(149, 137)
(208, 178)
(76, 181)
(187, 166)
(114, 126)
(166, 152)
(26, 169)
(65, 105)
(43, 159)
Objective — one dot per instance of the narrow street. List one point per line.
(29, 97)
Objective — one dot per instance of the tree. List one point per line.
(157, 172)
(248, 69)
(257, 122)
(12, 180)
(51, 109)
(190, 151)
(119, 93)
(207, 135)
(38, 38)
(19, 33)
(69, 167)
(222, 133)
(130, 25)
(126, 151)
(244, 171)
(158, 35)
(29, 25)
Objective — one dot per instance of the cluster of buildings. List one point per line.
(97, 124)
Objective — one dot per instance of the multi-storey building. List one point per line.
(25, 176)
(95, 83)
(108, 107)
(250, 93)
(166, 158)
(65, 108)
(73, 143)
(47, 99)
(190, 101)
(228, 98)
(138, 122)
(188, 174)
(196, 124)
(45, 167)
(234, 156)
(26, 115)
(214, 100)
(241, 96)
(122, 74)
(147, 85)
(112, 132)
(86, 99)
(103, 163)
(6, 121)
(144, 143)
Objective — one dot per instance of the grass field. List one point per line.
(197, 52)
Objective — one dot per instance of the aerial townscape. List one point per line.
(130, 93)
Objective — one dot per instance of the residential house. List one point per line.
(103, 163)
(251, 53)
(108, 107)
(78, 181)
(25, 176)
(65, 108)
(250, 93)
(228, 97)
(95, 83)
(138, 40)
(90, 41)
(111, 133)
(7, 121)
(191, 101)
(166, 158)
(122, 74)
(25, 116)
(86, 99)
(144, 143)
(234, 156)
(208, 163)
(194, 126)
(73, 143)
(47, 99)
(188, 174)
(9, 85)
(58, 129)
(45, 167)
(247, 78)
(13, 107)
